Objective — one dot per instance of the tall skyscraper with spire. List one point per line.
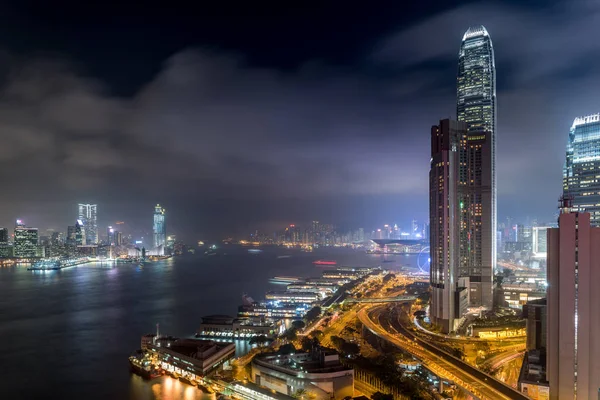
(159, 227)
(476, 106)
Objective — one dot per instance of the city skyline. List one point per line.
(304, 163)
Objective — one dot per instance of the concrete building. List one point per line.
(319, 373)
(189, 358)
(573, 301)
(476, 106)
(539, 241)
(239, 328)
(444, 218)
(535, 313)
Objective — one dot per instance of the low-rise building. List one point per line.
(293, 297)
(319, 374)
(532, 378)
(189, 358)
(239, 328)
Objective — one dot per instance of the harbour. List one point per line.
(120, 302)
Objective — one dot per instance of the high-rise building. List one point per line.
(573, 301)
(539, 241)
(110, 236)
(447, 299)
(89, 217)
(159, 227)
(476, 106)
(3, 235)
(580, 181)
(80, 233)
(26, 241)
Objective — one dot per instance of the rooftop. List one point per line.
(318, 361)
(475, 31)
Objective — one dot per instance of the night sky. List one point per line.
(252, 116)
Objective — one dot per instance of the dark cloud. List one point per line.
(227, 144)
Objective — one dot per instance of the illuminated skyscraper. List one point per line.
(80, 234)
(26, 241)
(3, 235)
(580, 174)
(89, 217)
(449, 299)
(476, 106)
(159, 228)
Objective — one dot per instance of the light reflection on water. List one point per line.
(69, 332)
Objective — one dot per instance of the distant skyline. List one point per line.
(239, 123)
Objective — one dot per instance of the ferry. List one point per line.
(141, 366)
(325, 262)
(285, 280)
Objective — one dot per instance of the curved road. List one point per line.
(446, 366)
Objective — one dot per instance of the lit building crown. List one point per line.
(475, 31)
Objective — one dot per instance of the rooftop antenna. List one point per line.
(565, 203)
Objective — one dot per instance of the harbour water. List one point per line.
(68, 333)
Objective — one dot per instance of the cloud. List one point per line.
(211, 129)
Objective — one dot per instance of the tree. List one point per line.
(287, 349)
(290, 334)
(316, 334)
(337, 342)
(308, 343)
(351, 349)
(298, 324)
(312, 314)
(382, 396)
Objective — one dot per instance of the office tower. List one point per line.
(26, 241)
(582, 163)
(71, 229)
(573, 301)
(89, 217)
(539, 245)
(80, 233)
(118, 238)
(448, 301)
(159, 228)
(476, 106)
(3, 235)
(110, 236)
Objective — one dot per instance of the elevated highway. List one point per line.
(396, 299)
(443, 364)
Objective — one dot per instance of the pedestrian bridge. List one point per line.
(397, 299)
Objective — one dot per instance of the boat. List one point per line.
(143, 367)
(325, 262)
(285, 280)
(185, 379)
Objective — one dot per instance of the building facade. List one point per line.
(573, 301)
(444, 214)
(319, 374)
(580, 174)
(476, 106)
(88, 215)
(3, 235)
(159, 227)
(26, 242)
